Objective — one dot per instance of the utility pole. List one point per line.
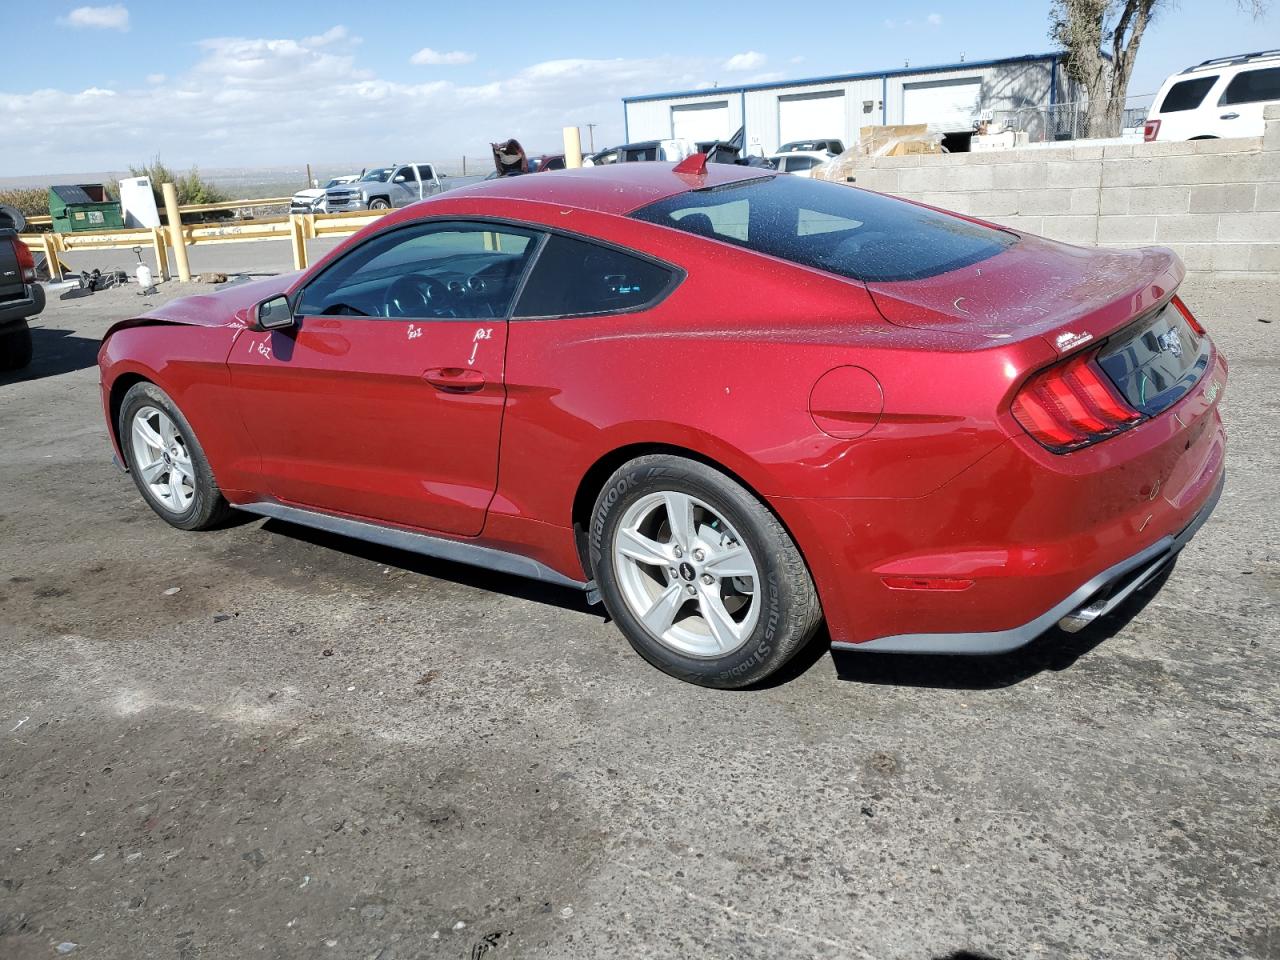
(591, 136)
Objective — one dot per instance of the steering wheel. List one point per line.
(415, 295)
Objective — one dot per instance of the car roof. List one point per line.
(615, 189)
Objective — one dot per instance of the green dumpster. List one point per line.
(83, 206)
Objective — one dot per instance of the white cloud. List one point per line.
(332, 35)
(434, 58)
(745, 61)
(934, 19)
(156, 78)
(249, 101)
(113, 17)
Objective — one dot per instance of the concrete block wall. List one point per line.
(1216, 202)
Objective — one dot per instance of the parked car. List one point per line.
(800, 164)
(547, 163)
(315, 199)
(670, 150)
(1217, 98)
(385, 187)
(832, 148)
(21, 298)
(728, 402)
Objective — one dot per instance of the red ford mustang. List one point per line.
(728, 403)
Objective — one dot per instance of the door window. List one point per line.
(1186, 94)
(405, 175)
(575, 278)
(1252, 86)
(426, 173)
(461, 271)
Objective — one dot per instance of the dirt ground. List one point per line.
(267, 742)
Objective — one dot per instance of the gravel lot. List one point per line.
(263, 741)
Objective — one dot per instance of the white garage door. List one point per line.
(949, 104)
(811, 116)
(701, 121)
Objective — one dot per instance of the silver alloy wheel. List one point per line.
(162, 459)
(686, 574)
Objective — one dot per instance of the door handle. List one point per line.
(454, 379)
(1230, 116)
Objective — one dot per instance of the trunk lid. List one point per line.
(1067, 295)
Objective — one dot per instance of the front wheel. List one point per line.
(701, 577)
(167, 462)
(379, 204)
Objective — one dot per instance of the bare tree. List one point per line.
(1085, 28)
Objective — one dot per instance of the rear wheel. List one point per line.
(167, 461)
(702, 579)
(15, 347)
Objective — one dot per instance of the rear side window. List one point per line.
(1252, 86)
(575, 278)
(831, 227)
(1186, 94)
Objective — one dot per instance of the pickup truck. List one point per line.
(395, 186)
(20, 297)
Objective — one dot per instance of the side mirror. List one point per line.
(273, 314)
(399, 179)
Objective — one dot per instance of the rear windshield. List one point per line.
(1186, 94)
(849, 232)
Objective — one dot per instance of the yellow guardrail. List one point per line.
(297, 228)
(231, 205)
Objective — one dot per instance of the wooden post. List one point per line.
(310, 182)
(51, 257)
(298, 239)
(175, 231)
(161, 251)
(572, 148)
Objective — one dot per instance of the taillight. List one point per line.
(1070, 405)
(1186, 315)
(26, 263)
(1150, 130)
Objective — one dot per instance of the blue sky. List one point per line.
(241, 83)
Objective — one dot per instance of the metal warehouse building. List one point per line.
(952, 96)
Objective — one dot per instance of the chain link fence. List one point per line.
(1064, 121)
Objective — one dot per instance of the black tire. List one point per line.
(377, 203)
(790, 613)
(208, 508)
(15, 347)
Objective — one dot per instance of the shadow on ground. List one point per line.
(55, 352)
(453, 572)
(1056, 650)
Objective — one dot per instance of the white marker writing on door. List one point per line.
(482, 333)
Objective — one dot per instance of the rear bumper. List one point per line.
(29, 306)
(1095, 598)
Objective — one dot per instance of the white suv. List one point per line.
(1218, 98)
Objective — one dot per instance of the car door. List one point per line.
(427, 176)
(404, 186)
(385, 398)
(1239, 111)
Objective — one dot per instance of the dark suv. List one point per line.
(20, 297)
